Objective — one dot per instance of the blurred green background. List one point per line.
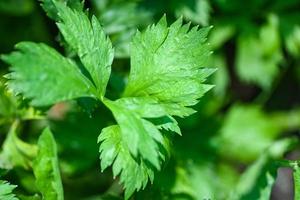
(250, 118)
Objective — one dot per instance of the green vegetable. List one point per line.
(43, 75)
(99, 65)
(296, 175)
(167, 77)
(257, 181)
(16, 152)
(88, 40)
(46, 168)
(6, 191)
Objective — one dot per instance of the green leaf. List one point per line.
(237, 133)
(135, 144)
(139, 135)
(7, 103)
(221, 77)
(257, 181)
(296, 175)
(15, 152)
(16, 7)
(292, 41)
(195, 180)
(51, 10)
(89, 41)
(258, 58)
(122, 16)
(165, 79)
(77, 127)
(198, 11)
(134, 173)
(46, 169)
(120, 20)
(220, 35)
(167, 64)
(252, 67)
(158, 113)
(41, 74)
(6, 191)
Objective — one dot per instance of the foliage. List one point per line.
(6, 191)
(45, 167)
(173, 120)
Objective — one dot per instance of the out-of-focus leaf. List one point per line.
(122, 16)
(236, 6)
(29, 113)
(258, 57)
(259, 177)
(188, 176)
(270, 37)
(280, 5)
(195, 180)
(34, 197)
(293, 41)
(11, 107)
(227, 177)
(296, 176)
(75, 133)
(16, 7)
(103, 197)
(220, 77)
(7, 103)
(220, 35)
(257, 181)
(46, 169)
(121, 20)
(197, 11)
(247, 128)
(6, 191)
(15, 152)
